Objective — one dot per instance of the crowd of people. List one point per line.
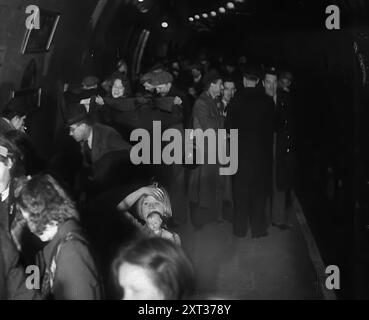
(95, 225)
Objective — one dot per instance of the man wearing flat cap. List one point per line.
(208, 192)
(179, 119)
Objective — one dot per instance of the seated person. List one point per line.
(154, 227)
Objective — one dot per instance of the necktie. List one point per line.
(86, 153)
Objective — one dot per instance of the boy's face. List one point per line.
(154, 222)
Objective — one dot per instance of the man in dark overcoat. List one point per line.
(252, 114)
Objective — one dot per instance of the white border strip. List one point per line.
(314, 253)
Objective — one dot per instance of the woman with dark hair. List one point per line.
(120, 73)
(67, 267)
(154, 269)
(119, 110)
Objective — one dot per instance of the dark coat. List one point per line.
(110, 154)
(5, 126)
(106, 139)
(76, 275)
(205, 183)
(285, 128)
(76, 97)
(251, 113)
(12, 275)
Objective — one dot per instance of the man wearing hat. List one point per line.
(98, 143)
(89, 88)
(13, 116)
(252, 115)
(163, 82)
(147, 89)
(207, 189)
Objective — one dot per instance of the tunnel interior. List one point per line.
(331, 86)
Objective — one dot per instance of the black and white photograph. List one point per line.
(203, 151)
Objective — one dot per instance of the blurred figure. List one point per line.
(285, 81)
(154, 269)
(196, 86)
(13, 116)
(67, 267)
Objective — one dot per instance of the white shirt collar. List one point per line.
(89, 139)
(7, 120)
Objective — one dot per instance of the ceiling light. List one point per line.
(164, 24)
(205, 15)
(230, 5)
(222, 10)
(191, 19)
(213, 14)
(197, 17)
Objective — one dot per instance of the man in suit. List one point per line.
(13, 116)
(252, 115)
(209, 192)
(102, 147)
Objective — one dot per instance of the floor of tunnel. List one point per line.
(274, 267)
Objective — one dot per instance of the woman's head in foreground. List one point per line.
(44, 205)
(154, 269)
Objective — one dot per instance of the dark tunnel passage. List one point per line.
(330, 221)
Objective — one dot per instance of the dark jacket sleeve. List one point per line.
(201, 116)
(14, 275)
(115, 142)
(76, 274)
